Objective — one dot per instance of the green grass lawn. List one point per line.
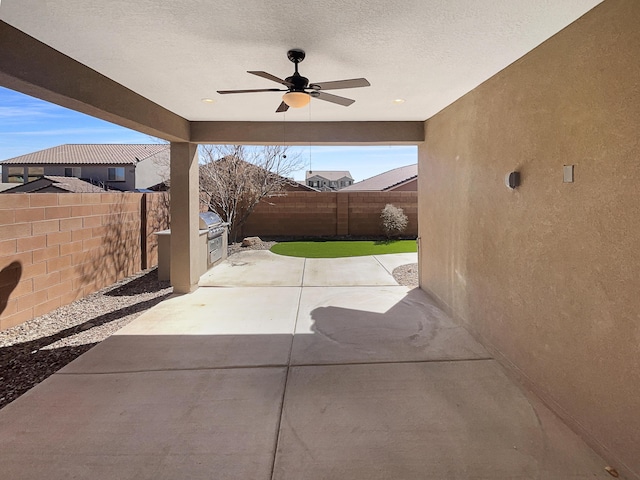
(348, 248)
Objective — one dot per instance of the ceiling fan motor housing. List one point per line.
(298, 81)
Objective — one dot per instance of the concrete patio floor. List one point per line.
(281, 368)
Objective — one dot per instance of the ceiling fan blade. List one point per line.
(338, 84)
(327, 97)
(224, 92)
(273, 78)
(282, 108)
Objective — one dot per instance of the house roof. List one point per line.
(290, 183)
(65, 184)
(329, 174)
(386, 180)
(89, 154)
(74, 185)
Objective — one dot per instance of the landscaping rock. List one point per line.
(251, 241)
(407, 275)
(259, 245)
(37, 348)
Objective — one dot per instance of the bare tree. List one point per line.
(234, 179)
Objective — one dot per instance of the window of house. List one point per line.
(116, 174)
(35, 173)
(15, 174)
(72, 172)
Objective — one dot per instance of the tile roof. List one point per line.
(385, 180)
(329, 174)
(67, 184)
(89, 154)
(73, 184)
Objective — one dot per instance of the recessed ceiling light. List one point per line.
(398, 101)
(208, 100)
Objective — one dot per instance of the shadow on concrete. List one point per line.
(24, 365)
(142, 404)
(414, 329)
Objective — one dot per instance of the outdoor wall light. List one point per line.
(512, 180)
(296, 99)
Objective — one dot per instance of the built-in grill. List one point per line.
(212, 245)
(216, 233)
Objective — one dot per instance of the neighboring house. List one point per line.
(287, 184)
(294, 186)
(403, 179)
(328, 180)
(53, 184)
(114, 166)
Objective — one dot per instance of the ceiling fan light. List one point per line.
(296, 99)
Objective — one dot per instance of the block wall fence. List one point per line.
(329, 213)
(57, 248)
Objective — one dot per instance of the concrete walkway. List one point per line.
(289, 369)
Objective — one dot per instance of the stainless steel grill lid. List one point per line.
(209, 220)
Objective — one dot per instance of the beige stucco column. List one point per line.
(184, 217)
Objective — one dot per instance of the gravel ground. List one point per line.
(407, 275)
(260, 245)
(33, 350)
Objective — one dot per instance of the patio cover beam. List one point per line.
(32, 67)
(309, 133)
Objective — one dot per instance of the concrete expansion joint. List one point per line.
(398, 362)
(160, 370)
(358, 286)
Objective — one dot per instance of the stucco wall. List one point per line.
(153, 170)
(548, 275)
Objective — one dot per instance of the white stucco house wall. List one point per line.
(115, 166)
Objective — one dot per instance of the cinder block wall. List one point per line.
(365, 209)
(155, 217)
(329, 213)
(57, 248)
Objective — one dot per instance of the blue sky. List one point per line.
(28, 125)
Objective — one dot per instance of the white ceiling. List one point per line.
(428, 52)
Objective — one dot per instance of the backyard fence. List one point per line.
(309, 214)
(57, 248)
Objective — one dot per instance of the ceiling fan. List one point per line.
(299, 90)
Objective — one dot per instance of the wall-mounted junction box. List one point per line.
(567, 174)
